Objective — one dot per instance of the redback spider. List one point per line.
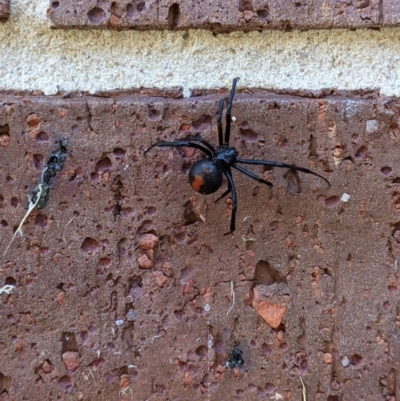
(205, 175)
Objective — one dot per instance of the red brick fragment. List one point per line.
(32, 120)
(271, 308)
(60, 297)
(271, 312)
(71, 360)
(144, 262)
(47, 367)
(161, 280)
(147, 241)
(4, 140)
(328, 359)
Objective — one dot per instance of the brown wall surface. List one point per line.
(4, 9)
(223, 16)
(123, 281)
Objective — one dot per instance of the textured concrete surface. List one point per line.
(68, 60)
(224, 16)
(124, 287)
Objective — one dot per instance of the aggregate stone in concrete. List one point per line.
(124, 285)
(224, 16)
(4, 9)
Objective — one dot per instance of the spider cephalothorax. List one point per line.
(205, 175)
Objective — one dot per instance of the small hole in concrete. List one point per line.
(151, 211)
(332, 201)
(116, 9)
(153, 113)
(5, 383)
(105, 262)
(333, 398)
(266, 350)
(304, 366)
(4, 136)
(65, 383)
(248, 134)
(68, 342)
(90, 245)
(204, 123)
(11, 281)
(269, 388)
(246, 5)
(283, 346)
(266, 275)
(360, 154)
(103, 165)
(42, 137)
(356, 360)
(41, 220)
(118, 152)
(96, 15)
(38, 161)
(386, 170)
(263, 14)
(94, 177)
(174, 14)
(181, 237)
(84, 336)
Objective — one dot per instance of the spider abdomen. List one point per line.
(205, 176)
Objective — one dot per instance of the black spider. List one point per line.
(205, 175)
(235, 359)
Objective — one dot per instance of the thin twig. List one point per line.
(304, 390)
(30, 208)
(86, 377)
(67, 226)
(233, 299)
(7, 289)
(248, 239)
(123, 392)
(154, 337)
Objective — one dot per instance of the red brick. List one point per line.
(338, 258)
(4, 9)
(246, 15)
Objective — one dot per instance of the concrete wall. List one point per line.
(35, 57)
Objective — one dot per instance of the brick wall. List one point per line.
(123, 284)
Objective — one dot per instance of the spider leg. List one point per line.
(228, 175)
(252, 175)
(278, 164)
(203, 141)
(228, 113)
(219, 122)
(224, 194)
(181, 144)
